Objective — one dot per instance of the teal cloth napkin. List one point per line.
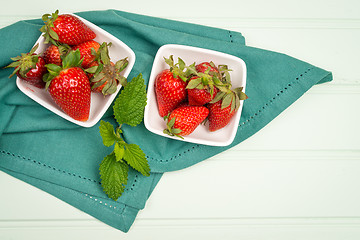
(63, 159)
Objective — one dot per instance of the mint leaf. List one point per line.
(107, 133)
(130, 104)
(114, 176)
(128, 109)
(135, 157)
(119, 151)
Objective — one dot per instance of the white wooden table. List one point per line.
(298, 178)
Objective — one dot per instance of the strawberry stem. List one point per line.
(25, 62)
(49, 34)
(170, 130)
(72, 59)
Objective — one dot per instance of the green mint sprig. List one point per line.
(128, 109)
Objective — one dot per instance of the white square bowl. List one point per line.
(156, 124)
(99, 104)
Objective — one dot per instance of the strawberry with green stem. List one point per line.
(69, 86)
(223, 107)
(55, 53)
(200, 90)
(183, 120)
(65, 28)
(170, 86)
(88, 51)
(29, 67)
(205, 83)
(105, 75)
(209, 67)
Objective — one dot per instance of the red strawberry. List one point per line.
(184, 120)
(54, 53)
(223, 107)
(170, 86)
(88, 51)
(107, 80)
(219, 118)
(199, 92)
(104, 75)
(69, 87)
(203, 87)
(65, 28)
(220, 74)
(200, 97)
(170, 91)
(30, 67)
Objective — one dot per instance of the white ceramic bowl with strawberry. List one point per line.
(99, 103)
(202, 135)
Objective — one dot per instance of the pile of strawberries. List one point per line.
(72, 65)
(188, 95)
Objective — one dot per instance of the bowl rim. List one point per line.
(27, 88)
(151, 94)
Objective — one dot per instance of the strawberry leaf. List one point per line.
(194, 83)
(237, 102)
(171, 122)
(72, 59)
(121, 64)
(104, 52)
(114, 175)
(240, 93)
(97, 77)
(13, 64)
(176, 131)
(169, 61)
(182, 64)
(48, 33)
(45, 17)
(98, 83)
(122, 80)
(92, 69)
(233, 102)
(170, 130)
(183, 78)
(243, 96)
(178, 69)
(129, 106)
(218, 97)
(190, 70)
(110, 87)
(226, 101)
(53, 34)
(53, 69)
